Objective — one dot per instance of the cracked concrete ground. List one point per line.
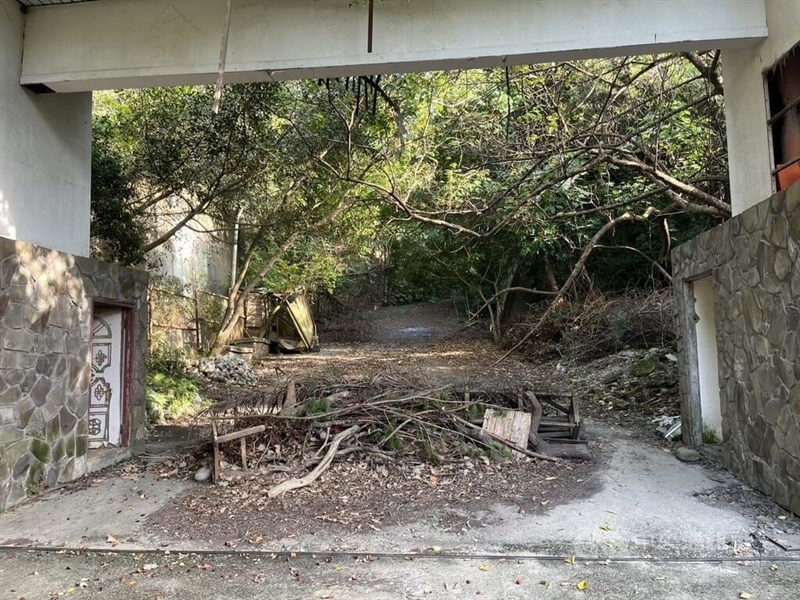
(642, 525)
(642, 503)
(115, 576)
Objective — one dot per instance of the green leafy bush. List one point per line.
(171, 397)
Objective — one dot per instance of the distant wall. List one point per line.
(754, 262)
(45, 153)
(198, 255)
(45, 323)
(746, 106)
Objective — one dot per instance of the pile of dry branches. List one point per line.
(301, 428)
(599, 326)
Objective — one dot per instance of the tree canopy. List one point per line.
(535, 179)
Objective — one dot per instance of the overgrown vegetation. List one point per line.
(171, 393)
(558, 184)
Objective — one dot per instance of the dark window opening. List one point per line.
(783, 86)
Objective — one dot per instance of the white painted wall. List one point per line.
(196, 255)
(746, 106)
(122, 43)
(45, 153)
(707, 355)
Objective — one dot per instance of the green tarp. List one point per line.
(291, 326)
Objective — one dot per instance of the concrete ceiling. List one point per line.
(48, 2)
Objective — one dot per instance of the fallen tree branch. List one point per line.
(324, 464)
(578, 269)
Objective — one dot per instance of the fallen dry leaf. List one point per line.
(744, 596)
(582, 585)
(485, 567)
(570, 560)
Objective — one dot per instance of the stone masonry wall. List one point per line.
(754, 259)
(45, 321)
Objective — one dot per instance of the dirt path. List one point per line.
(419, 340)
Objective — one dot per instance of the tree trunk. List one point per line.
(536, 418)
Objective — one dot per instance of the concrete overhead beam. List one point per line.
(143, 43)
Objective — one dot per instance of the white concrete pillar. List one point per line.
(749, 152)
(45, 153)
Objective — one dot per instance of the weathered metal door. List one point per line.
(106, 387)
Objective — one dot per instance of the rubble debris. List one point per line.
(669, 427)
(789, 542)
(202, 474)
(228, 369)
(610, 390)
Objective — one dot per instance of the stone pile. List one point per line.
(228, 369)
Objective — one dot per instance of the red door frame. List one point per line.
(128, 345)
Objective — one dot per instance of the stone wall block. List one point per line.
(8, 267)
(67, 420)
(45, 315)
(6, 415)
(794, 224)
(22, 340)
(23, 410)
(755, 259)
(11, 395)
(67, 471)
(40, 390)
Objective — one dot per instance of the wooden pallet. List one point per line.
(560, 417)
(240, 435)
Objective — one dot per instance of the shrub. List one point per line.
(602, 325)
(316, 406)
(171, 397)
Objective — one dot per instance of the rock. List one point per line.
(645, 367)
(203, 474)
(687, 454)
(228, 369)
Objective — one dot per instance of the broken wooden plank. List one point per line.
(510, 425)
(235, 435)
(217, 460)
(789, 542)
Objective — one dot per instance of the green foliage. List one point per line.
(429, 453)
(171, 392)
(171, 397)
(475, 411)
(394, 443)
(316, 406)
(117, 234)
(710, 436)
(456, 184)
(169, 361)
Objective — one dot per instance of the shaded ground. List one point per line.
(633, 501)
